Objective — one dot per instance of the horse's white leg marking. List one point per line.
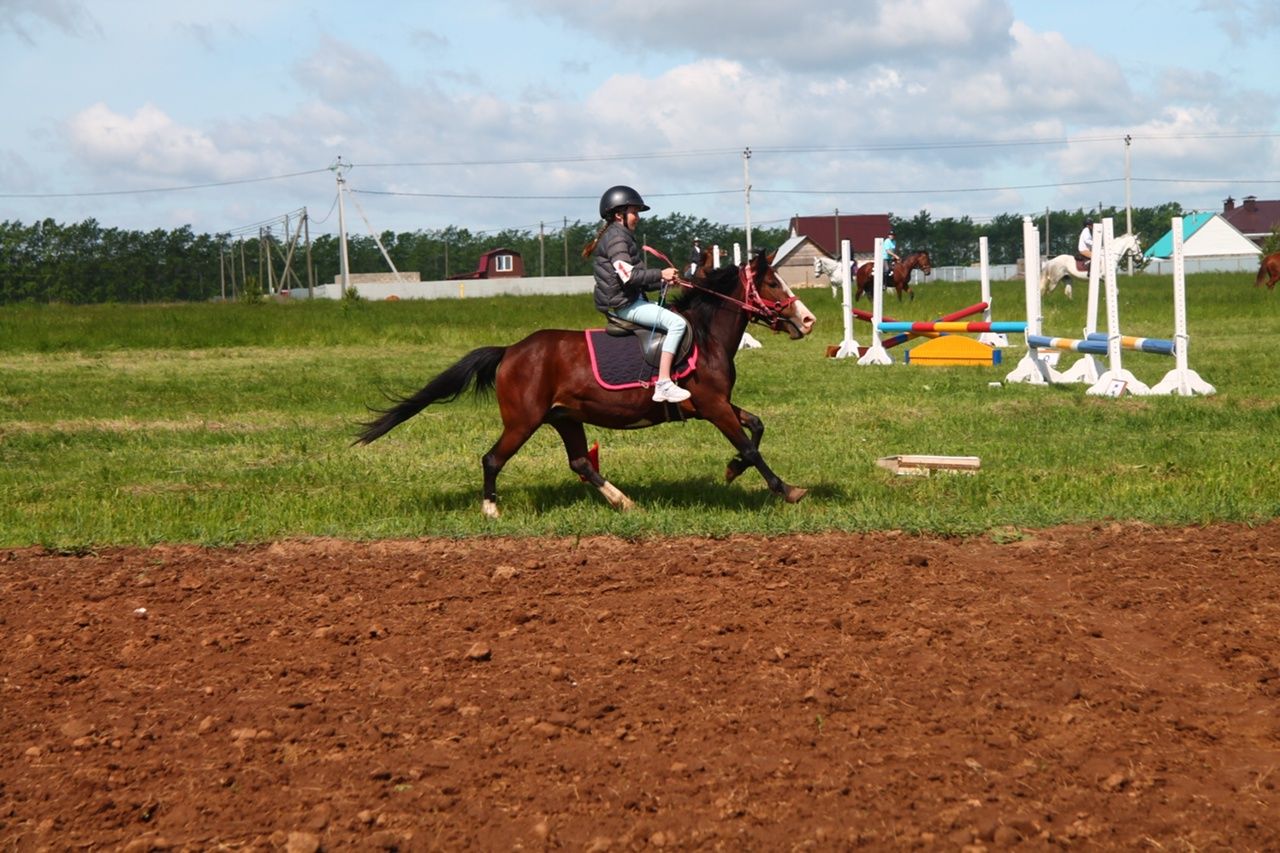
(615, 497)
(490, 509)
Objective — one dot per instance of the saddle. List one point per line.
(1082, 263)
(650, 339)
(628, 357)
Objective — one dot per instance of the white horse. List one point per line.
(831, 269)
(1063, 266)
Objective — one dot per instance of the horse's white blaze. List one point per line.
(802, 319)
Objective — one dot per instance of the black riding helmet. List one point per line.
(619, 196)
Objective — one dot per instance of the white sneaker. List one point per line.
(669, 392)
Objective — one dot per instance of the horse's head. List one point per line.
(924, 262)
(783, 311)
(817, 266)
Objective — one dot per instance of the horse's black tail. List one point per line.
(479, 366)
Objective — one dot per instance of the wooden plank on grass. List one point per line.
(923, 465)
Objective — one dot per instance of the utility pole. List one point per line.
(1047, 253)
(1128, 198)
(746, 187)
(564, 232)
(344, 268)
(837, 230)
(311, 271)
(222, 271)
(542, 251)
(244, 275)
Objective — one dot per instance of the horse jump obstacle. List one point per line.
(1115, 380)
(954, 350)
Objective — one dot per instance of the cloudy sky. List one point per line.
(494, 114)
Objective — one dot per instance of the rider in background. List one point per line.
(889, 256)
(622, 279)
(1084, 246)
(695, 258)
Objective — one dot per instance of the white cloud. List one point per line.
(803, 34)
(149, 144)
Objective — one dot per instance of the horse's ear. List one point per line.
(763, 262)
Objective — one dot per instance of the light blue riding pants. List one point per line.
(652, 315)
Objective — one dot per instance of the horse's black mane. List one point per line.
(698, 306)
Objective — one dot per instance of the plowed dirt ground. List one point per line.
(1113, 686)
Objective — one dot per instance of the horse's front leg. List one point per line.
(752, 424)
(726, 419)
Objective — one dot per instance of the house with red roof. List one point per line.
(1253, 218)
(495, 263)
(827, 232)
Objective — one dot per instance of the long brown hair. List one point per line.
(591, 247)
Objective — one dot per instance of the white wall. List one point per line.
(1218, 237)
(460, 289)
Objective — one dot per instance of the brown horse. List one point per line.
(901, 271)
(547, 378)
(1270, 270)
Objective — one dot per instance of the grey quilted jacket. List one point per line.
(619, 244)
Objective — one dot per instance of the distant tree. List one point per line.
(1271, 245)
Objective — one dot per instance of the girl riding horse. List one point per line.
(900, 271)
(547, 378)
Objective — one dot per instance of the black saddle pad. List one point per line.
(618, 362)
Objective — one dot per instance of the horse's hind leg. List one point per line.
(575, 445)
(512, 439)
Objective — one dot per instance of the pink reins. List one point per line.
(754, 304)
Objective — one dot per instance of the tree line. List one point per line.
(84, 262)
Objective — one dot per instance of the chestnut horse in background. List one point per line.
(901, 274)
(1270, 270)
(547, 378)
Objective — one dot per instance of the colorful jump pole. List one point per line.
(1160, 346)
(952, 326)
(888, 343)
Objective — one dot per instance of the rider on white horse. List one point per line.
(1084, 246)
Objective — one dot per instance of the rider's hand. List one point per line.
(669, 274)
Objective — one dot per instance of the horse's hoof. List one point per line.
(730, 474)
(794, 494)
(490, 509)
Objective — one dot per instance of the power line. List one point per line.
(890, 146)
(165, 189)
(254, 226)
(538, 197)
(943, 191)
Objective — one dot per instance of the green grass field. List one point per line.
(232, 423)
